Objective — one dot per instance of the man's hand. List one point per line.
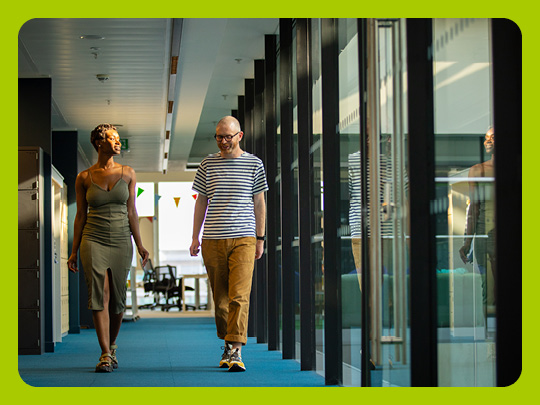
(464, 251)
(194, 248)
(259, 249)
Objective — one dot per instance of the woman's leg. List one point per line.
(102, 320)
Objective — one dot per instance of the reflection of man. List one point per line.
(231, 205)
(355, 211)
(481, 217)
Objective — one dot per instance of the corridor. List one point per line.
(162, 352)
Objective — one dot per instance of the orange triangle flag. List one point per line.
(176, 200)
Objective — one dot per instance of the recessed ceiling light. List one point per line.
(91, 37)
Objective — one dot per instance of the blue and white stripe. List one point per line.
(229, 185)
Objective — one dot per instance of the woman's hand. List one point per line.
(144, 254)
(72, 263)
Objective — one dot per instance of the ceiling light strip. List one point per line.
(175, 52)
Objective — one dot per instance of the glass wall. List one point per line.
(464, 206)
(350, 231)
(388, 203)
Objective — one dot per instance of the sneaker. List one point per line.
(235, 362)
(224, 363)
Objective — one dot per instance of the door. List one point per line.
(387, 204)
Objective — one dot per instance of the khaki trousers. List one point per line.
(357, 255)
(229, 264)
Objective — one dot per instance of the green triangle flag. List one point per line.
(139, 191)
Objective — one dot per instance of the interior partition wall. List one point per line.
(364, 143)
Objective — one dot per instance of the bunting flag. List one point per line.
(156, 199)
(139, 191)
(176, 200)
(151, 219)
(194, 196)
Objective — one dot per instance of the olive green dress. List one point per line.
(106, 244)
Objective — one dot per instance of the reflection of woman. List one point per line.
(106, 218)
(481, 215)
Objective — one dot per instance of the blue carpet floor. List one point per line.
(162, 352)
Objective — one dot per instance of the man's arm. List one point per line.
(198, 218)
(260, 222)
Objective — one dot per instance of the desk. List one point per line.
(197, 278)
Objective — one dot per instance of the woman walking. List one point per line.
(105, 221)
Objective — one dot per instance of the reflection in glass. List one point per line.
(387, 186)
(464, 208)
(350, 231)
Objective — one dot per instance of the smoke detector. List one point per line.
(102, 78)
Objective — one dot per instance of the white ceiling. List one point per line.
(216, 55)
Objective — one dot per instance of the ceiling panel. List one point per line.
(216, 55)
(134, 54)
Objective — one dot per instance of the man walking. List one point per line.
(231, 186)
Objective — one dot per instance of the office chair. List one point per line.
(174, 288)
(149, 283)
(159, 283)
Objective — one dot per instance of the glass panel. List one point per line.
(464, 206)
(317, 197)
(388, 205)
(349, 134)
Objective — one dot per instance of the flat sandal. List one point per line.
(105, 364)
(113, 356)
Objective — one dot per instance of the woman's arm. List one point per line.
(133, 217)
(80, 219)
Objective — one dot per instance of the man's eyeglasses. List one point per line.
(219, 138)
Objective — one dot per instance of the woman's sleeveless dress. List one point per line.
(106, 244)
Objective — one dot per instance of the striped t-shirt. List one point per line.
(229, 185)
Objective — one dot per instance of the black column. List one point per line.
(331, 178)
(64, 146)
(258, 128)
(364, 194)
(272, 203)
(423, 300)
(249, 105)
(507, 84)
(287, 234)
(305, 163)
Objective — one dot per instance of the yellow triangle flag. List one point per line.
(176, 200)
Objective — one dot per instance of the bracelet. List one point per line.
(261, 237)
